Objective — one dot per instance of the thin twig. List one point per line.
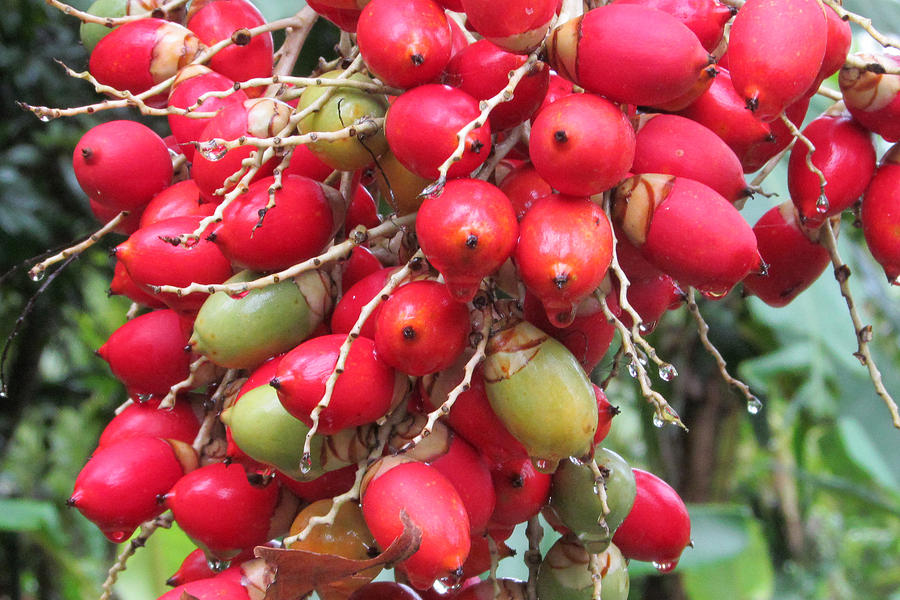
(111, 22)
(535, 533)
(863, 332)
(769, 167)
(147, 529)
(596, 576)
(501, 149)
(37, 271)
(865, 23)
(188, 383)
(822, 202)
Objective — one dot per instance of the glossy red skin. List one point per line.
(564, 250)
(479, 560)
(327, 485)
(521, 491)
(354, 299)
(650, 291)
(845, 155)
(794, 262)
(658, 527)
(421, 329)
(128, 225)
(503, 23)
(216, 20)
(118, 486)
(362, 394)
(421, 127)
(431, 502)
(706, 18)
(346, 19)
(723, 111)
(582, 145)
(195, 566)
(230, 124)
(405, 43)
(211, 588)
(881, 218)
(126, 59)
(523, 186)
(144, 418)
(636, 55)
(362, 210)
(605, 413)
(467, 232)
(481, 70)
(304, 162)
(473, 418)
(107, 167)
(360, 264)
(147, 353)
(123, 285)
(588, 337)
(242, 511)
(384, 590)
(297, 228)
(469, 474)
(690, 212)
(152, 261)
(557, 88)
(181, 199)
(262, 375)
(185, 94)
(837, 46)
(679, 146)
(774, 66)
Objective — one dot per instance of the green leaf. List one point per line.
(148, 569)
(24, 514)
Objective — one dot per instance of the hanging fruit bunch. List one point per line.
(368, 300)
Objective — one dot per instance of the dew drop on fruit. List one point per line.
(645, 328)
(822, 205)
(217, 566)
(658, 421)
(37, 275)
(306, 463)
(632, 369)
(754, 405)
(213, 150)
(666, 566)
(118, 536)
(667, 372)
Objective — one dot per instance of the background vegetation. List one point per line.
(799, 501)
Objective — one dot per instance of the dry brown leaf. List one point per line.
(298, 572)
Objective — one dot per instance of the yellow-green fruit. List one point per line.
(541, 394)
(92, 33)
(347, 106)
(565, 573)
(242, 331)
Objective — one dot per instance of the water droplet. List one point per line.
(117, 536)
(144, 397)
(4, 395)
(716, 294)
(643, 360)
(217, 566)
(213, 150)
(658, 421)
(822, 205)
(667, 372)
(665, 566)
(754, 405)
(632, 369)
(448, 584)
(239, 295)
(44, 117)
(306, 463)
(37, 275)
(645, 328)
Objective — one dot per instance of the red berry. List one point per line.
(178, 200)
(145, 418)
(880, 215)
(516, 25)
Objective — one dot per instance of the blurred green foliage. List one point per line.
(800, 501)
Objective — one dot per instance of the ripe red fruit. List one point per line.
(421, 127)
(467, 231)
(118, 487)
(303, 220)
(650, 291)
(517, 25)
(211, 588)
(629, 53)
(192, 82)
(706, 18)
(482, 70)
(178, 200)
(362, 210)
(605, 414)
(421, 329)
(122, 165)
(128, 225)
(873, 98)
(845, 155)
(775, 52)
(348, 308)
(364, 391)
(664, 215)
(582, 144)
(327, 485)
(147, 353)
(880, 215)
(304, 162)
(151, 260)
(396, 485)
(345, 18)
(521, 491)
(565, 247)
(362, 262)
(140, 54)
(245, 515)
(658, 527)
(123, 285)
(793, 260)
(216, 20)
(524, 186)
(144, 418)
(837, 47)
(405, 43)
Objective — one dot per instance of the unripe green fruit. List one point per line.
(347, 106)
(269, 434)
(574, 499)
(92, 33)
(565, 573)
(240, 332)
(541, 394)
